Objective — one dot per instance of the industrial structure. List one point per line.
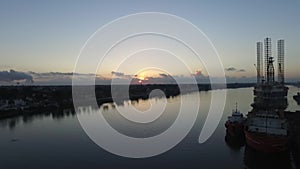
(265, 66)
(266, 128)
(280, 60)
(259, 49)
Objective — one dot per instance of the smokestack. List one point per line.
(280, 60)
(259, 66)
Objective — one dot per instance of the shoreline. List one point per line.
(29, 100)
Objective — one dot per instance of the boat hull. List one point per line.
(266, 143)
(235, 129)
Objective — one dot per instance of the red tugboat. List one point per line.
(235, 123)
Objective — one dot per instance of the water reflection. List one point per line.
(143, 130)
(234, 142)
(258, 160)
(12, 122)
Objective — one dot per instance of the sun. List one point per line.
(141, 76)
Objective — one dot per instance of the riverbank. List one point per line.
(26, 100)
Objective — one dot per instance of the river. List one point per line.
(48, 141)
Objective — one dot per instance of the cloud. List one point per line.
(164, 75)
(121, 75)
(65, 78)
(230, 69)
(198, 73)
(161, 79)
(233, 69)
(12, 76)
(118, 74)
(54, 73)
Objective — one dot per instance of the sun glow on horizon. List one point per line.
(143, 76)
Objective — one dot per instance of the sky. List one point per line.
(43, 39)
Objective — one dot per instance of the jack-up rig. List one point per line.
(266, 128)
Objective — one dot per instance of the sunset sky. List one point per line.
(42, 39)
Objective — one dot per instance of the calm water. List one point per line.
(48, 141)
